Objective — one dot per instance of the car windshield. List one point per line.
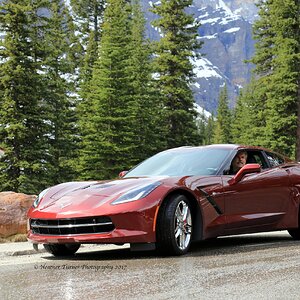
(194, 161)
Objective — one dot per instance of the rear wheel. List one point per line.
(295, 232)
(174, 226)
(61, 249)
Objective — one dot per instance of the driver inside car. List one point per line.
(238, 162)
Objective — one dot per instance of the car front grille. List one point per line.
(71, 226)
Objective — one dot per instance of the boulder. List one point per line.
(13, 213)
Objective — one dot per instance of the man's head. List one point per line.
(239, 161)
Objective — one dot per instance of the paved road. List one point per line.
(261, 266)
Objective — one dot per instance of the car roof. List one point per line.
(231, 147)
(221, 146)
(236, 147)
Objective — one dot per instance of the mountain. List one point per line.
(226, 30)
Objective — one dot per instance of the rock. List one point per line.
(13, 213)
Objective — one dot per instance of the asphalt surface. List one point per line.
(26, 248)
(247, 267)
(20, 248)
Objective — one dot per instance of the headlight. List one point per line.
(39, 198)
(137, 193)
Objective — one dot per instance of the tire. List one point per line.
(174, 226)
(295, 233)
(61, 249)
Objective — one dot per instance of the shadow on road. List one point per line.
(220, 246)
(240, 244)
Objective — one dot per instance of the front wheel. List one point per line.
(61, 249)
(174, 226)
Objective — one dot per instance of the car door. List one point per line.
(259, 201)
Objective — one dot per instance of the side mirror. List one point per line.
(246, 169)
(122, 174)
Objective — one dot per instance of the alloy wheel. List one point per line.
(183, 225)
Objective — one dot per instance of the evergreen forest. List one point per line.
(84, 95)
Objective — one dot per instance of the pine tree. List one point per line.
(38, 58)
(206, 127)
(284, 86)
(174, 53)
(59, 69)
(264, 34)
(278, 67)
(239, 121)
(222, 133)
(106, 128)
(145, 101)
(209, 130)
(248, 124)
(89, 58)
(89, 17)
(22, 128)
(201, 122)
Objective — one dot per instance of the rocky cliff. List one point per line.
(226, 30)
(227, 35)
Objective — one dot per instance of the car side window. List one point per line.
(256, 157)
(253, 157)
(274, 159)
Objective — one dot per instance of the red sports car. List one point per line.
(171, 199)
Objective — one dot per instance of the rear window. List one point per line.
(275, 160)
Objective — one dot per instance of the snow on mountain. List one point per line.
(226, 30)
(205, 69)
(242, 8)
(201, 111)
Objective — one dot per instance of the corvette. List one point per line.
(171, 199)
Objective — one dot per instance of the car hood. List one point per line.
(89, 195)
